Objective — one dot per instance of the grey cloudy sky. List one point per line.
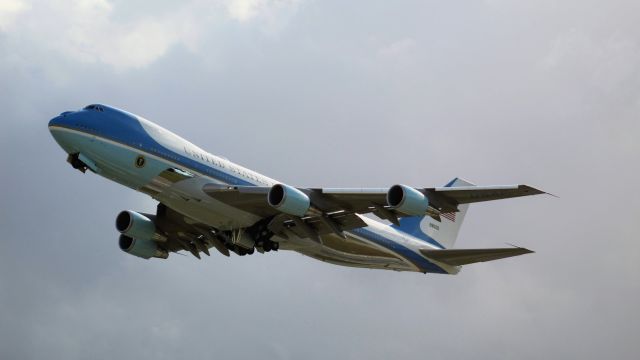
(333, 93)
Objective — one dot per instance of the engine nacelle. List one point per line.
(143, 248)
(138, 226)
(407, 200)
(288, 200)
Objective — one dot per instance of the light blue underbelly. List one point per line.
(115, 162)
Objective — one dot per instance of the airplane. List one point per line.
(207, 202)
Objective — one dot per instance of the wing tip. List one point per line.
(536, 191)
(523, 249)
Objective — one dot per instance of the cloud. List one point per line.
(91, 31)
(94, 37)
(9, 10)
(243, 10)
(402, 47)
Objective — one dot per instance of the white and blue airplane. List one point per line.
(206, 201)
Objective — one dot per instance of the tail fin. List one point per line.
(441, 233)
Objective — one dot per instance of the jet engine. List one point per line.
(407, 200)
(143, 248)
(288, 200)
(138, 226)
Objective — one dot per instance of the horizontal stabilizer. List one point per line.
(456, 257)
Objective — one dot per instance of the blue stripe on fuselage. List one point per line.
(419, 261)
(411, 225)
(125, 128)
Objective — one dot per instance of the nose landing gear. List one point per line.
(81, 162)
(74, 160)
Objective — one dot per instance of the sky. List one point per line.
(335, 94)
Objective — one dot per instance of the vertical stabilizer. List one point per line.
(441, 233)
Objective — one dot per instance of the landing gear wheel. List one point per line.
(267, 246)
(275, 246)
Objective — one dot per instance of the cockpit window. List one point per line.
(94, 107)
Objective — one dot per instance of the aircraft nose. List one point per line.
(61, 119)
(55, 121)
(55, 128)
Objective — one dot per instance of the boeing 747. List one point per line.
(207, 202)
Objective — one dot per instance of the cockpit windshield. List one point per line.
(94, 107)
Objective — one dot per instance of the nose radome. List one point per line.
(59, 135)
(60, 119)
(55, 121)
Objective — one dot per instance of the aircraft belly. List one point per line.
(116, 162)
(354, 253)
(361, 262)
(354, 247)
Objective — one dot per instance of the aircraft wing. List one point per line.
(336, 209)
(185, 234)
(334, 203)
(453, 196)
(457, 257)
(443, 199)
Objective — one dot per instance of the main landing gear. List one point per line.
(263, 247)
(268, 245)
(256, 237)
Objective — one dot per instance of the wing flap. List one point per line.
(360, 200)
(457, 257)
(341, 222)
(252, 199)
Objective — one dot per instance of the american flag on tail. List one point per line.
(449, 216)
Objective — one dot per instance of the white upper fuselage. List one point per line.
(112, 143)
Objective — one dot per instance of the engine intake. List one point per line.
(407, 200)
(288, 200)
(136, 225)
(142, 248)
